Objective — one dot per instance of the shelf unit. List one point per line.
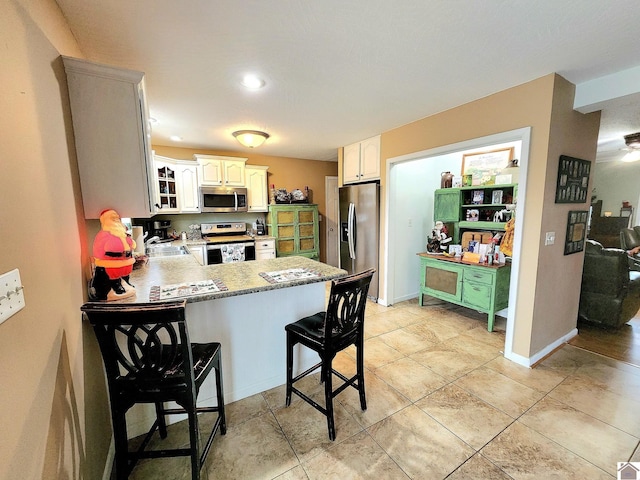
(473, 208)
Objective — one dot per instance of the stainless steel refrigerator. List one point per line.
(360, 230)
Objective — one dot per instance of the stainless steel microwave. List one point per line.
(223, 199)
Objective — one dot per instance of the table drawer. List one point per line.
(477, 295)
(478, 276)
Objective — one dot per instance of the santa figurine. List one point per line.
(113, 254)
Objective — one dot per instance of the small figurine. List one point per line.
(113, 254)
(439, 238)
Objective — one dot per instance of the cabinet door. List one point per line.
(188, 193)
(446, 205)
(370, 159)
(198, 251)
(307, 230)
(167, 192)
(257, 188)
(233, 174)
(351, 163)
(110, 123)
(442, 280)
(211, 172)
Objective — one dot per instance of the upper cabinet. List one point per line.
(188, 190)
(257, 188)
(110, 124)
(361, 161)
(221, 171)
(167, 192)
(177, 186)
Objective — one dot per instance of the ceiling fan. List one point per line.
(619, 148)
(633, 147)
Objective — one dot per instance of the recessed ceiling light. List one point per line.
(252, 81)
(175, 138)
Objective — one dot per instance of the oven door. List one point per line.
(230, 252)
(223, 199)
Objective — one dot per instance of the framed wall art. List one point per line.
(576, 231)
(573, 180)
(484, 166)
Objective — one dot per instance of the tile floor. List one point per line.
(442, 403)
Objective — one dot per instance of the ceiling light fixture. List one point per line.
(250, 138)
(632, 156)
(253, 82)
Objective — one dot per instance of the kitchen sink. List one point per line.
(166, 250)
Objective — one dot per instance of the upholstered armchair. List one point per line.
(610, 294)
(630, 238)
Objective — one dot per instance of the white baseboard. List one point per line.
(529, 361)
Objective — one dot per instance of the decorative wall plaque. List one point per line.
(573, 180)
(576, 231)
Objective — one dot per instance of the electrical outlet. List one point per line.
(550, 238)
(11, 294)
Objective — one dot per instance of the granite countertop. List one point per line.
(240, 278)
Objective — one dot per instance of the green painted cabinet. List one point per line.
(295, 228)
(446, 205)
(484, 288)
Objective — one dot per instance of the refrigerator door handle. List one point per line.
(351, 233)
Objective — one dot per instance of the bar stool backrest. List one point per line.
(145, 348)
(345, 310)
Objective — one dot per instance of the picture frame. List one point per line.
(472, 215)
(496, 197)
(478, 197)
(573, 180)
(576, 231)
(485, 166)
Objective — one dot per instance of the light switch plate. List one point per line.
(550, 238)
(11, 294)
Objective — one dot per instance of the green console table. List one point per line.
(484, 288)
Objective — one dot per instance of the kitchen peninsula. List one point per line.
(248, 318)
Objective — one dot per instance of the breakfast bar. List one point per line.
(247, 314)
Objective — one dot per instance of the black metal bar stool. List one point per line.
(327, 333)
(148, 358)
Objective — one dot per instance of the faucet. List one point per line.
(155, 239)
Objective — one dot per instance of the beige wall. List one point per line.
(43, 394)
(54, 415)
(545, 105)
(284, 172)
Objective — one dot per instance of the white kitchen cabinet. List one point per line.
(361, 161)
(198, 251)
(257, 190)
(265, 248)
(166, 191)
(188, 190)
(217, 170)
(177, 188)
(111, 130)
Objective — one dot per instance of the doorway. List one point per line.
(397, 223)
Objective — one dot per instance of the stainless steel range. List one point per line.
(227, 242)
